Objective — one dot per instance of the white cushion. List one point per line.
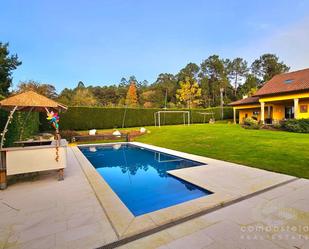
(92, 132)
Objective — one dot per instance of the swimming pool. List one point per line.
(139, 176)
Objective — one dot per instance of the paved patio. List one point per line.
(276, 219)
(45, 213)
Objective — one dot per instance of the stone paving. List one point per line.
(276, 219)
(47, 214)
(44, 213)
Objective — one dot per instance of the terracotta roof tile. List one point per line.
(287, 82)
(246, 101)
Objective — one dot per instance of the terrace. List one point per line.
(84, 212)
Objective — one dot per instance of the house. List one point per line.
(285, 96)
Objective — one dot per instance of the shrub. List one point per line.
(277, 125)
(31, 126)
(250, 123)
(296, 125)
(84, 118)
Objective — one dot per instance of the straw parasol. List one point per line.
(28, 101)
(31, 100)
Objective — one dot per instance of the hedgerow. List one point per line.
(83, 118)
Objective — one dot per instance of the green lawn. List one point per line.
(277, 151)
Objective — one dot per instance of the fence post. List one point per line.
(3, 180)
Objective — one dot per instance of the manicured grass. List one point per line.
(277, 151)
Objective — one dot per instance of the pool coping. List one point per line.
(126, 225)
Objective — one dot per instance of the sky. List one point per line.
(101, 41)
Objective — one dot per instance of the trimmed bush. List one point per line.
(84, 118)
(31, 127)
(250, 123)
(296, 125)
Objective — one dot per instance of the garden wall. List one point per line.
(84, 118)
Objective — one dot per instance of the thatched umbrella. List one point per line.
(28, 101)
(31, 100)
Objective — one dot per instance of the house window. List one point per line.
(289, 81)
(303, 108)
(289, 112)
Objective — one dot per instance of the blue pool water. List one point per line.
(139, 176)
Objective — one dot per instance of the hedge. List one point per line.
(31, 127)
(84, 118)
(296, 125)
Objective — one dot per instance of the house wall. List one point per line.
(249, 112)
(278, 112)
(304, 114)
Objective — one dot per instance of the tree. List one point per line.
(190, 70)
(237, 70)
(83, 97)
(249, 87)
(214, 73)
(133, 79)
(141, 85)
(106, 95)
(8, 63)
(267, 66)
(123, 81)
(80, 84)
(122, 90)
(189, 93)
(204, 85)
(131, 99)
(165, 87)
(47, 90)
(66, 96)
(149, 99)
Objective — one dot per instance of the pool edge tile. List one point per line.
(118, 214)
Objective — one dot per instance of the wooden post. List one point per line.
(221, 104)
(61, 175)
(262, 112)
(3, 180)
(128, 137)
(234, 115)
(296, 108)
(3, 183)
